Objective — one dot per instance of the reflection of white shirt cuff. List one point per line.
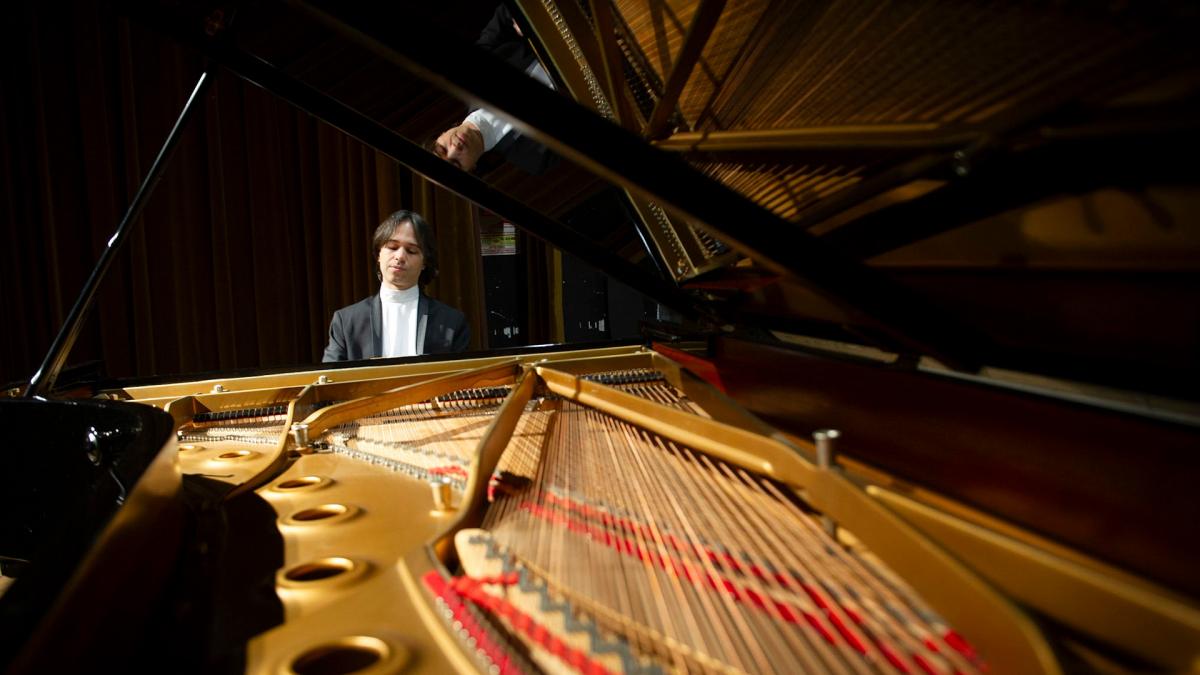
(494, 127)
(490, 126)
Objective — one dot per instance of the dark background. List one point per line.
(260, 226)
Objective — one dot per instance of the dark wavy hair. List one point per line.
(486, 161)
(425, 237)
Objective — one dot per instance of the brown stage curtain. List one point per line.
(258, 231)
(544, 307)
(460, 276)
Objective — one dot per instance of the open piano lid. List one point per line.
(988, 185)
(816, 250)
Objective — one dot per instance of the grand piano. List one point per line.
(918, 395)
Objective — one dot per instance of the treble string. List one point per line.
(719, 563)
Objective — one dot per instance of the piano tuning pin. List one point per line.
(826, 440)
(300, 434)
(826, 451)
(440, 487)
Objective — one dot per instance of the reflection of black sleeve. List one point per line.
(499, 38)
(526, 154)
(494, 33)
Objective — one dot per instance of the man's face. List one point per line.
(461, 146)
(401, 259)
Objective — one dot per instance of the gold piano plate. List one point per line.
(371, 557)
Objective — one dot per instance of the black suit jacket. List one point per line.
(356, 332)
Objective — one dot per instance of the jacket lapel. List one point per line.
(422, 320)
(376, 347)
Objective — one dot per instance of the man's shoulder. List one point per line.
(359, 307)
(443, 310)
(438, 305)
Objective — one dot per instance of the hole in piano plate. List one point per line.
(349, 655)
(319, 570)
(320, 512)
(326, 513)
(236, 455)
(185, 447)
(301, 483)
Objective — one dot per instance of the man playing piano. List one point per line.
(400, 320)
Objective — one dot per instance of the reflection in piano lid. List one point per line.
(927, 407)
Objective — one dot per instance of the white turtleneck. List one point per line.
(399, 321)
